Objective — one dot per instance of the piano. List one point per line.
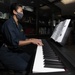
(52, 59)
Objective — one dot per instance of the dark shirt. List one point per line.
(12, 33)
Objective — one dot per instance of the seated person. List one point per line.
(14, 38)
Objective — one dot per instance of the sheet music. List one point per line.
(57, 29)
(62, 33)
(60, 30)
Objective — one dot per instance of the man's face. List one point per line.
(20, 10)
(19, 13)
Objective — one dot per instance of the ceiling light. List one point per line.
(67, 1)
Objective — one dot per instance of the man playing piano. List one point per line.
(14, 38)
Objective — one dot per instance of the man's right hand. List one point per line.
(37, 41)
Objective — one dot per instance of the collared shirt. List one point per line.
(12, 33)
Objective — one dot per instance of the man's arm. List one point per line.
(29, 41)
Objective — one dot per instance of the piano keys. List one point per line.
(51, 59)
(58, 63)
(46, 61)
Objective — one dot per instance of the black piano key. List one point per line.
(50, 58)
(54, 66)
(52, 62)
(55, 60)
(50, 55)
(47, 51)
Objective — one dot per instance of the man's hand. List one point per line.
(36, 41)
(32, 40)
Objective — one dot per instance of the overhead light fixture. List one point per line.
(67, 1)
(28, 8)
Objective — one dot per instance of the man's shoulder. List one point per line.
(8, 22)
